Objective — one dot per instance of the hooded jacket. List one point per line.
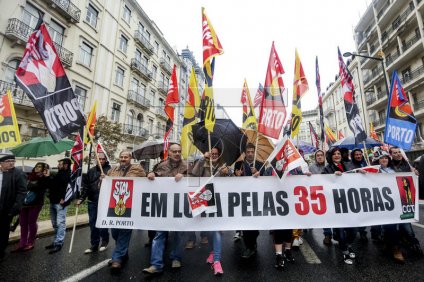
(354, 163)
(316, 168)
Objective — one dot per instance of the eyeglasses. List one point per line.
(102, 159)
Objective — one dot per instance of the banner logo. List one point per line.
(120, 202)
(407, 196)
(202, 200)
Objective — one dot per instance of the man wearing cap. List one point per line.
(91, 189)
(12, 194)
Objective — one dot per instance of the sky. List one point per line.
(246, 30)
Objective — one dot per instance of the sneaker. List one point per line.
(237, 236)
(92, 249)
(300, 241)
(28, 248)
(347, 259)
(397, 255)
(296, 243)
(247, 253)
(204, 240)
(152, 270)
(279, 262)
(56, 249)
(217, 268)
(352, 254)
(209, 260)
(189, 245)
(289, 256)
(176, 264)
(103, 246)
(327, 240)
(49, 247)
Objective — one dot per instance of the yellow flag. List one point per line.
(300, 86)
(249, 118)
(190, 116)
(9, 130)
(91, 122)
(209, 102)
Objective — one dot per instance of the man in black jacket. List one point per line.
(91, 189)
(12, 194)
(57, 190)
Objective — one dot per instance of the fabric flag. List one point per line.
(171, 99)
(202, 200)
(259, 96)
(331, 137)
(352, 112)
(9, 129)
(300, 86)
(321, 113)
(341, 136)
(211, 45)
(208, 102)
(314, 136)
(91, 122)
(249, 118)
(42, 77)
(77, 157)
(272, 111)
(373, 134)
(400, 122)
(370, 169)
(100, 149)
(191, 106)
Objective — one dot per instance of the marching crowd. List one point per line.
(25, 196)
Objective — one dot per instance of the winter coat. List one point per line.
(57, 185)
(90, 187)
(133, 170)
(13, 191)
(170, 169)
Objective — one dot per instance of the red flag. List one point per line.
(100, 149)
(259, 96)
(314, 136)
(288, 155)
(76, 174)
(211, 45)
(272, 113)
(171, 99)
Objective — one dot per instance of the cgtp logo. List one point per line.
(407, 196)
(120, 202)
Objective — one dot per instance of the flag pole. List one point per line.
(73, 229)
(95, 151)
(256, 148)
(365, 153)
(210, 151)
(89, 156)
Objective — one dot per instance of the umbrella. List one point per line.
(226, 135)
(42, 146)
(264, 147)
(306, 147)
(150, 149)
(349, 143)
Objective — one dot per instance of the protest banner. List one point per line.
(262, 203)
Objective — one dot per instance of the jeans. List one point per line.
(191, 235)
(158, 248)
(96, 233)
(58, 218)
(215, 244)
(122, 239)
(407, 232)
(327, 232)
(28, 222)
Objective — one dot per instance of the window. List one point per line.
(142, 89)
(134, 84)
(406, 74)
(81, 94)
(150, 125)
(119, 79)
(123, 43)
(130, 119)
(30, 15)
(86, 52)
(140, 120)
(92, 15)
(10, 71)
(137, 55)
(56, 32)
(140, 27)
(144, 61)
(154, 71)
(127, 14)
(157, 47)
(147, 35)
(116, 111)
(152, 98)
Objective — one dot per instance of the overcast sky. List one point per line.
(246, 30)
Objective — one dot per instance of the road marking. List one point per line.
(418, 224)
(309, 254)
(86, 272)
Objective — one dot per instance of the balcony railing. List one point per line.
(165, 66)
(18, 30)
(410, 42)
(392, 58)
(381, 95)
(162, 87)
(394, 26)
(419, 105)
(405, 78)
(160, 131)
(380, 121)
(141, 69)
(371, 99)
(134, 130)
(67, 9)
(19, 97)
(160, 112)
(138, 99)
(144, 42)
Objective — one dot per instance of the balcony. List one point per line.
(418, 108)
(137, 131)
(370, 99)
(410, 42)
(67, 9)
(409, 77)
(391, 59)
(163, 88)
(141, 69)
(379, 102)
(160, 112)
(144, 42)
(379, 122)
(18, 95)
(138, 99)
(18, 31)
(165, 66)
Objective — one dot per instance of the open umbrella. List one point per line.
(42, 146)
(226, 135)
(349, 143)
(306, 147)
(264, 147)
(150, 149)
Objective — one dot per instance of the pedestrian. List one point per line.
(12, 194)
(57, 185)
(31, 208)
(249, 167)
(90, 189)
(122, 237)
(175, 167)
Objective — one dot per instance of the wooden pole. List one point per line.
(73, 229)
(210, 151)
(256, 149)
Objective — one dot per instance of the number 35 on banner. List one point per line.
(312, 198)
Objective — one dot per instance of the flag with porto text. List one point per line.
(42, 77)
(400, 122)
(321, 112)
(249, 118)
(352, 112)
(9, 129)
(300, 86)
(314, 136)
(171, 100)
(272, 111)
(190, 116)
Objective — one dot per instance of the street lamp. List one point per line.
(353, 55)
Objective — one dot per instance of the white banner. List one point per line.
(263, 203)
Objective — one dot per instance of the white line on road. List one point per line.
(309, 254)
(418, 224)
(86, 272)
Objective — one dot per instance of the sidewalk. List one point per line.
(45, 227)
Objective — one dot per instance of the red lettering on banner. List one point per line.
(304, 205)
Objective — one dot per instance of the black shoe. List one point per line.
(248, 253)
(279, 262)
(55, 249)
(416, 248)
(148, 244)
(49, 247)
(363, 238)
(289, 256)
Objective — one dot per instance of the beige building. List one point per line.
(304, 131)
(113, 53)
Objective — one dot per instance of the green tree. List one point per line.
(109, 134)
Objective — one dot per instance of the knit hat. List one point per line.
(380, 153)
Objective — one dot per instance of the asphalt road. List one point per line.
(314, 262)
